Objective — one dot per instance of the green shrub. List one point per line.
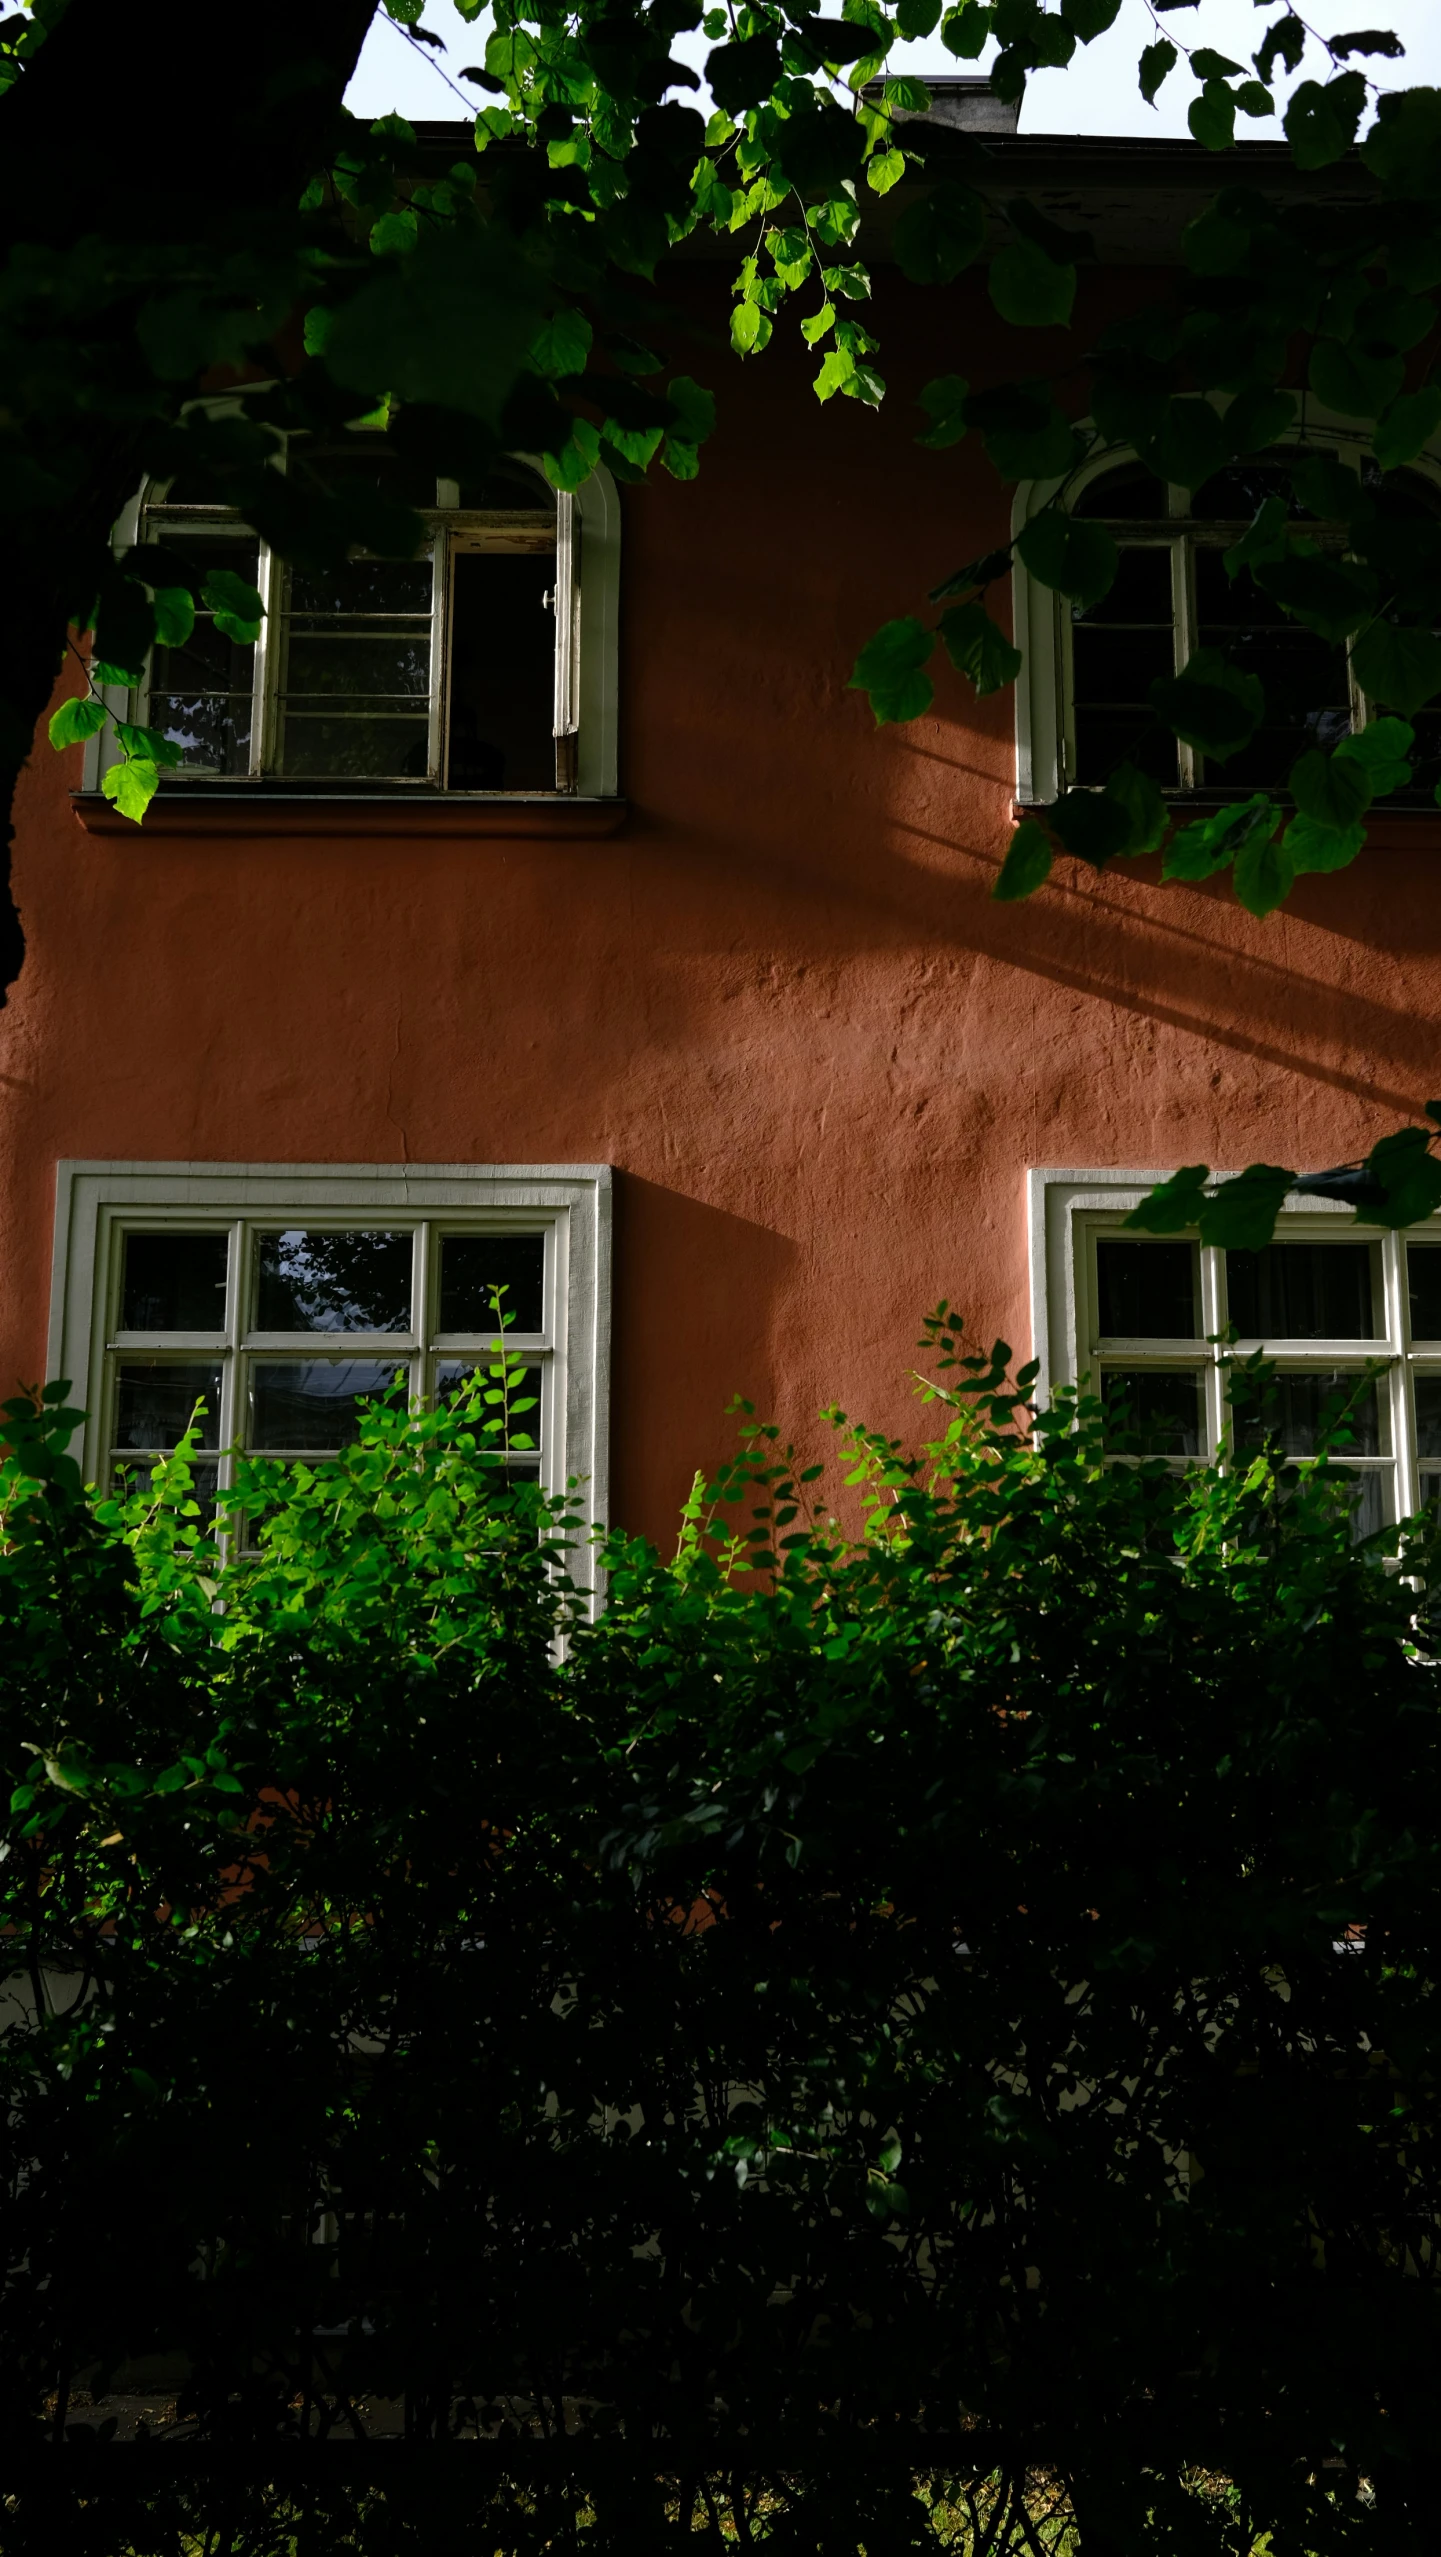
(944, 1995)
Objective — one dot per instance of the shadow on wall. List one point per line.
(695, 1293)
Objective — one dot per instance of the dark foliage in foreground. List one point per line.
(949, 2001)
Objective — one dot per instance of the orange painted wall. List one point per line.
(779, 1001)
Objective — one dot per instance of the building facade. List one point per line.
(547, 913)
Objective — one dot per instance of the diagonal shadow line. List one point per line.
(1383, 1021)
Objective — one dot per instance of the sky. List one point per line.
(1097, 94)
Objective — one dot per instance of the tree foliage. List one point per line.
(893, 2013)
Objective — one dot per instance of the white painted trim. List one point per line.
(595, 634)
(572, 1200)
(1058, 1204)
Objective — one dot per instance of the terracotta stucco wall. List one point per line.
(779, 1001)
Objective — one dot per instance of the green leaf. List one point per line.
(1314, 847)
(1089, 824)
(75, 720)
(1403, 147)
(1026, 866)
(316, 328)
(1353, 381)
(1078, 559)
(1210, 65)
(1190, 445)
(562, 345)
(750, 329)
(452, 326)
(816, 327)
(890, 668)
(1024, 432)
(1212, 117)
(1029, 289)
(236, 605)
(1172, 1205)
(395, 234)
(1284, 41)
(1157, 61)
(1090, 18)
(131, 786)
(1145, 809)
(1200, 850)
(1399, 668)
(743, 75)
(1263, 873)
(976, 648)
(1240, 1216)
(1257, 419)
(1409, 1174)
(174, 615)
(940, 234)
(148, 745)
(1408, 424)
(694, 407)
(966, 31)
(885, 171)
(944, 400)
(1320, 123)
(1383, 746)
(1264, 537)
(1332, 790)
(917, 18)
(1210, 705)
(1331, 596)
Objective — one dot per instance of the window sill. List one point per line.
(217, 808)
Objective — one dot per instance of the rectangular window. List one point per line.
(284, 1299)
(455, 670)
(1348, 1318)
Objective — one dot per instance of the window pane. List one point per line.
(1428, 1415)
(347, 1281)
(473, 1266)
(1141, 593)
(512, 1410)
(1129, 492)
(1296, 1410)
(1146, 1291)
(200, 695)
(1308, 700)
(174, 1283)
(1105, 737)
(357, 664)
(368, 748)
(502, 672)
(212, 730)
(311, 1403)
(1113, 666)
(1302, 1292)
(1153, 1412)
(359, 587)
(154, 1400)
(1423, 1275)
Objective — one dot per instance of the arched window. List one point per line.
(457, 671)
(1086, 704)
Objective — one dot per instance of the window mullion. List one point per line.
(1183, 595)
(269, 576)
(440, 558)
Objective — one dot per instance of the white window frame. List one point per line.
(569, 1203)
(1045, 756)
(587, 654)
(1067, 1209)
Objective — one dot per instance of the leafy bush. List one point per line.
(944, 1998)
